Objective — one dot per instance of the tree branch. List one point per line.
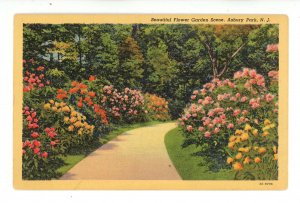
(229, 60)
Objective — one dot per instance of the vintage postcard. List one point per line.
(151, 102)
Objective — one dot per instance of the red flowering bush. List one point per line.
(124, 106)
(40, 149)
(33, 76)
(222, 106)
(83, 97)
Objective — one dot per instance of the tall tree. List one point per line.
(131, 61)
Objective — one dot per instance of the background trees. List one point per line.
(168, 60)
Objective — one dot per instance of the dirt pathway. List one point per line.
(138, 154)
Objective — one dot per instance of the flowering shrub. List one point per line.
(157, 107)
(223, 106)
(33, 76)
(124, 106)
(253, 152)
(85, 100)
(40, 148)
(71, 125)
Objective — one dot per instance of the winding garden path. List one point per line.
(138, 154)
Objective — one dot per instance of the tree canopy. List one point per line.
(168, 60)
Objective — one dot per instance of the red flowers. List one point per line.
(92, 78)
(45, 155)
(36, 150)
(51, 132)
(30, 115)
(35, 135)
(61, 94)
(33, 80)
(92, 94)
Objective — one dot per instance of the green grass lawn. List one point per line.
(72, 160)
(188, 166)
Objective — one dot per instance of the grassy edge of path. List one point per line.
(190, 167)
(72, 160)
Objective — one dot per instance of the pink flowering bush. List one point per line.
(126, 106)
(222, 106)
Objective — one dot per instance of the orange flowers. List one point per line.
(61, 94)
(157, 107)
(99, 111)
(92, 78)
(92, 94)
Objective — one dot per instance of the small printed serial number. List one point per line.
(265, 183)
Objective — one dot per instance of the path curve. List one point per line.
(138, 154)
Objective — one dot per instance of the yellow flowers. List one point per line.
(267, 122)
(237, 166)
(255, 132)
(238, 132)
(244, 149)
(66, 109)
(78, 124)
(244, 136)
(248, 127)
(257, 160)
(71, 128)
(232, 138)
(229, 160)
(249, 146)
(239, 156)
(265, 133)
(75, 119)
(47, 106)
(274, 148)
(247, 160)
(73, 113)
(262, 150)
(66, 119)
(231, 145)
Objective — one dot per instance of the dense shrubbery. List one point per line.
(69, 117)
(242, 110)
(157, 107)
(125, 106)
(223, 107)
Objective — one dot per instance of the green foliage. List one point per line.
(57, 77)
(187, 163)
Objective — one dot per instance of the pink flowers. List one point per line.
(228, 104)
(236, 112)
(230, 126)
(273, 74)
(189, 128)
(272, 48)
(127, 104)
(201, 128)
(269, 97)
(254, 103)
(207, 134)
